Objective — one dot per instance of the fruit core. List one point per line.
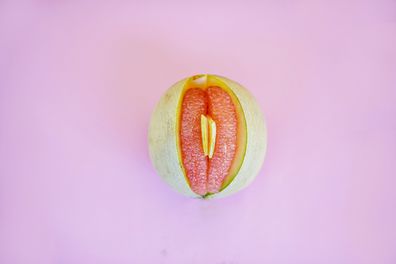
(211, 134)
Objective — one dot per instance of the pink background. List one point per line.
(78, 82)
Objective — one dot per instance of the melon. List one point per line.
(207, 137)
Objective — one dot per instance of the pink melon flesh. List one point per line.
(206, 175)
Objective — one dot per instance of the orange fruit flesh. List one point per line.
(209, 175)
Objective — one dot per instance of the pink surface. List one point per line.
(78, 83)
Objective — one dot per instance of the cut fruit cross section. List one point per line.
(212, 135)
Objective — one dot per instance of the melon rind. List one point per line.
(163, 140)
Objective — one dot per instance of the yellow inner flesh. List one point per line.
(208, 132)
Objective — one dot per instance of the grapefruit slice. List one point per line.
(212, 134)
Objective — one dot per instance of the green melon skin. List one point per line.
(163, 136)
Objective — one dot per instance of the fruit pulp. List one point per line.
(210, 100)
